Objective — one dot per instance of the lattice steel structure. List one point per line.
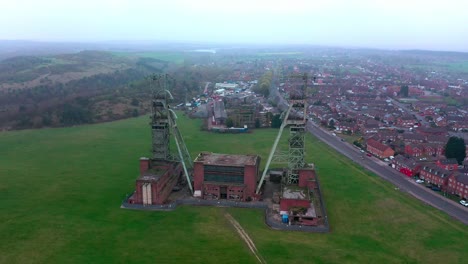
(163, 125)
(295, 118)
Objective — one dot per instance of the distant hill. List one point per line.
(456, 54)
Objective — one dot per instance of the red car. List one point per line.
(369, 155)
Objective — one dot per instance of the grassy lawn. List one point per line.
(60, 192)
(349, 138)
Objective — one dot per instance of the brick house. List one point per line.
(405, 121)
(433, 149)
(414, 150)
(413, 138)
(436, 131)
(369, 128)
(447, 164)
(437, 139)
(347, 126)
(431, 173)
(387, 135)
(407, 166)
(378, 149)
(459, 126)
(458, 184)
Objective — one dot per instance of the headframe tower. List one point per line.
(295, 118)
(164, 125)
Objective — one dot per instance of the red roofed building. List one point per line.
(435, 175)
(458, 184)
(447, 164)
(378, 149)
(415, 150)
(408, 167)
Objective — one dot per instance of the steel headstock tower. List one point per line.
(163, 125)
(295, 118)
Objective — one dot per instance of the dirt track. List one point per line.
(245, 237)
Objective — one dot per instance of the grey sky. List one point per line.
(423, 24)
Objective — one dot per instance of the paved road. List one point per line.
(405, 184)
(383, 170)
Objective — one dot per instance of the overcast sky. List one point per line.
(394, 24)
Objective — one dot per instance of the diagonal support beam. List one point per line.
(273, 149)
(180, 144)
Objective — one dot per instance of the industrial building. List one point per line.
(226, 176)
(156, 182)
(160, 173)
(300, 202)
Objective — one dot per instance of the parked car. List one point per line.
(464, 203)
(369, 155)
(387, 160)
(435, 188)
(419, 181)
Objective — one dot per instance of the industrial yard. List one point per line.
(220, 179)
(84, 173)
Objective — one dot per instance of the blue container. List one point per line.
(285, 218)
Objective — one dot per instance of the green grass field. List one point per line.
(61, 189)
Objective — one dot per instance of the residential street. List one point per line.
(403, 183)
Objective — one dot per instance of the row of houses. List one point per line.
(443, 174)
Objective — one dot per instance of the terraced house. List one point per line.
(378, 149)
(431, 173)
(458, 184)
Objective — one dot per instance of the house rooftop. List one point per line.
(448, 161)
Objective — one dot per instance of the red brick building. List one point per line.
(433, 149)
(458, 184)
(431, 173)
(378, 149)
(156, 181)
(225, 176)
(298, 197)
(407, 166)
(405, 121)
(414, 150)
(447, 164)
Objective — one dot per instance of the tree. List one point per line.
(404, 91)
(456, 149)
(276, 121)
(135, 102)
(229, 122)
(257, 123)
